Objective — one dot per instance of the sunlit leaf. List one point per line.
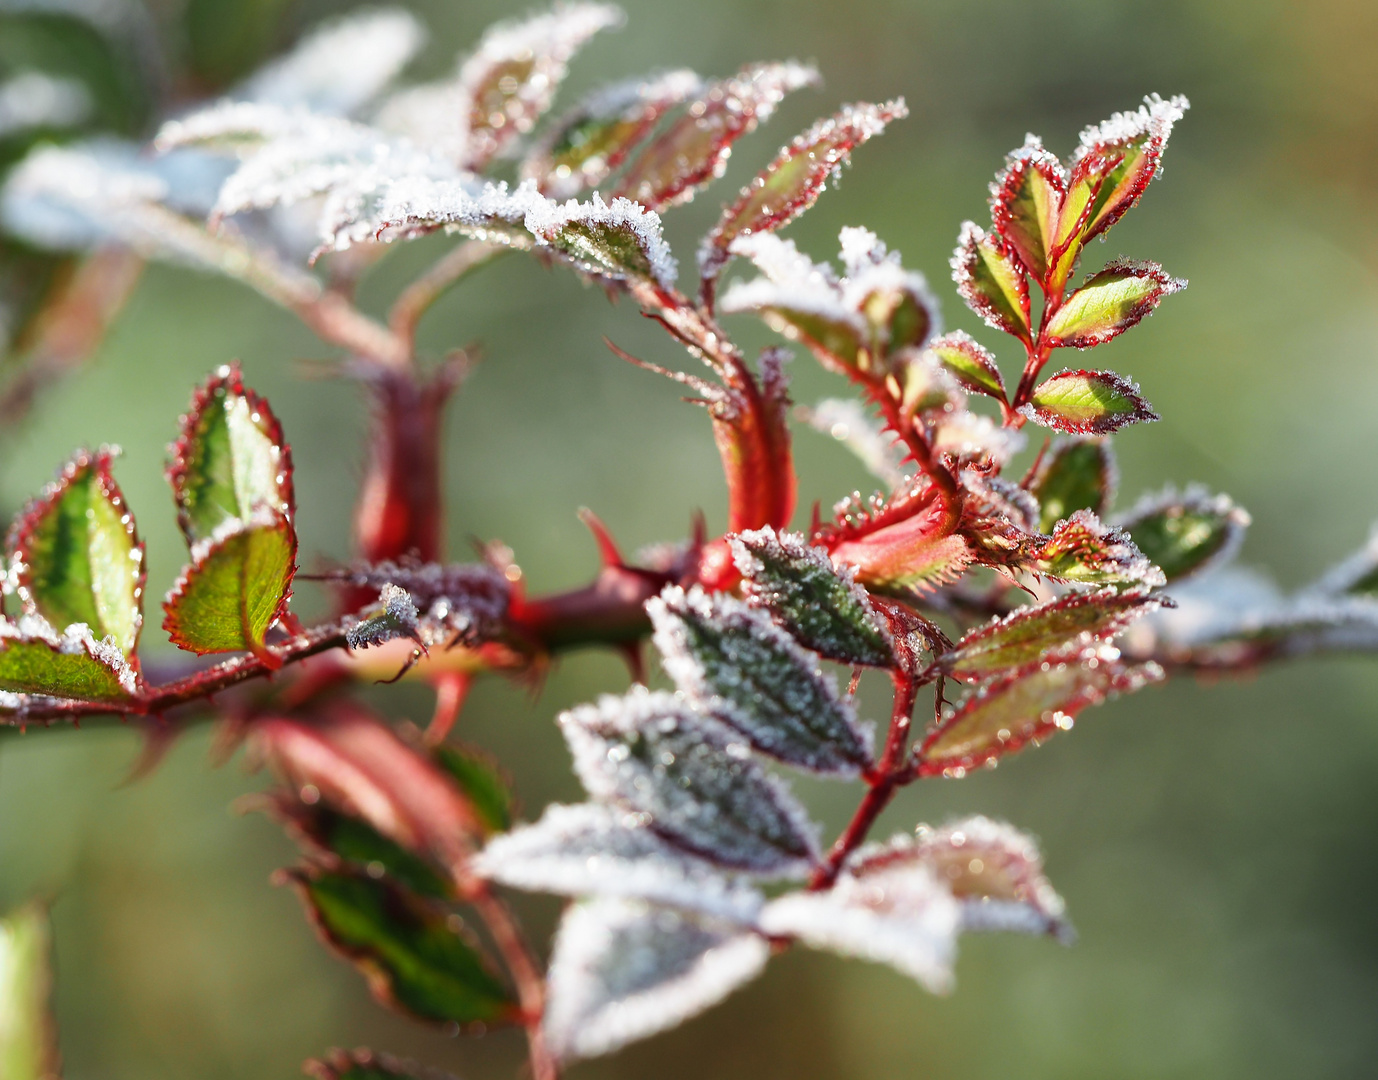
(367, 1065)
(28, 1033)
(1084, 551)
(1026, 706)
(413, 959)
(235, 589)
(733, 663)
(1025, 202)
(482, 783)
(72, 666)
(990, 281)
(618, 241)
(1087, 403)
(1187, 533)
(694, 149)
(75, 557)
(971, 363)
(1076, 474)
(692, 778)
(623, 970)
(816, 602)
(1109, 303)
(912, 556)
(230, 459)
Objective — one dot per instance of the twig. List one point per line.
(416, 298)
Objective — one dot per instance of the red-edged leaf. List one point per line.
(1025, 202)
(1110, 303)
(75, 556)
(75, 666)
(913, 555)
(793, 181)
(694, 149)
(356, 763)
(990, 281)
(1084, 551)
(235, 589)
(971, 363)
(596, 137)
(230, 458)
(1052, 630)
(754, 445)
(1026, 706)
(1187, 533)
(1087, 403)
(1076, 474)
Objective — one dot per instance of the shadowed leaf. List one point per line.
(482, 782)
(1076, 474)
(990, 281)
(971, 363)
(1186, 534)
(367, 1065)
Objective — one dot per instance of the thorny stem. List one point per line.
(414, 301)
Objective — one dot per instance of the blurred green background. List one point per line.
(1217, 842)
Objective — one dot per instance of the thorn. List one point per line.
(411, 663)
(636, 660)
(159, 735)
(607, 546)
(1037, 461)
(703, 386)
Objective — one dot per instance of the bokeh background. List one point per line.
(1216, 841)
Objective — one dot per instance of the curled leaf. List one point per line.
(990, 281)
(971, 363)
(1086, 552)
(1187, 533)
(1087, 403)
(1026, 200)
(1109, 303)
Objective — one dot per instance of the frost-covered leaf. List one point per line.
(990, 280)
(35, 100)
(848, 422)
(1087, 403)
(816, 602)
(1053, 629)
(1356, 575)
(791, 183)
(909, 557)
(394, 617)
(733, 663)
(75, 557)
(693, 150)
(622, 970)
(897, 914)
(236, 587)
(367, 1065)
(971, 363)
(899, 310)
(33, 660)
(413, 960)
(482, 783)
(692, 778)
(1027, 706)
(1109, 303)
(230, 459)
(1186, 533)
(28, 1032)
(1076, 474)
(595, 850)
(993, 870)
(342, 65)
(1026, 200)
(1084, 551)
(597, 136)
(617, 241)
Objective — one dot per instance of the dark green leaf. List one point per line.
(1184, 534)
(28, 1034)
(482, 783)
(1076, 474)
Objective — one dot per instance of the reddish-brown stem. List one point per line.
(415, 300)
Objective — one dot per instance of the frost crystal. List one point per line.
(692, 779)
(594, 850)
(397, 619)
(1085, 552)
(847, 421)
(733, 663)
(623, 970)
(1154, 118)
(1187, 533)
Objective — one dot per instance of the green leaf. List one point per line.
(991, 282)
(230, 459)
(1076, 474)
(1184, 534)
(1025, 202)
(76, 557)
(1087, 403)
(620, 241)
(415, 963)
(816, 602)
(1084, 551)
(28, 1033)
(1110, 303)
(366, 1065)
(1052, 630)
(793, 181)
(482, 783)
(1026, 706)
(734, 664)
(971, 363)
(79, 668)
(235, 590)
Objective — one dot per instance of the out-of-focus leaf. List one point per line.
(896, 304)
(73, 666)
(1356, 575)
(846, 420)
(75, 557)
(793, 181)
(733, 663)
(28, 1033)
(1026, 199)
(1086, 552)
(413, 960)
(691, 778)
(1047, 631)
(367, 1065)
(228, 38)
(1185, 534)
(482, 782)
(990, 281)
(816, 602)
(595, 850)
(897, 914)
(1027, 706)
(971, 363)
(235, 589)
(596, 137)
(1076, 474)
(1087, 403)
(623, 970)
(1110, 303)
(230, 459)
(694, 149)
